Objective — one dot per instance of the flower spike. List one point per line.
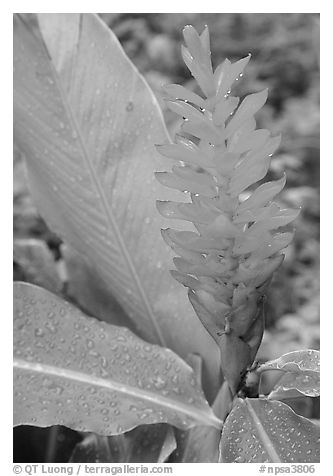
(228, 260)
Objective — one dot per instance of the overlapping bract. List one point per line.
(219, 154)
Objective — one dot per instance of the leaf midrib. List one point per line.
(264, 438)
(156, 399)
(112, 225)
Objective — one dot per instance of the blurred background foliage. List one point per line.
(285, 58)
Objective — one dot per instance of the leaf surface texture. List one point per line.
(301, 374)
(262, 431)
(92, 376)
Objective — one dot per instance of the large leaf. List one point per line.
(263, 431)
(87, 291)
(87, 123)
(145, 444)
(91, 376)
(301, 374)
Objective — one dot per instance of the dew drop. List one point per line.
(62, 311)
(104, 373)
(59, 390)
(130, 106)
(90, 344)
(159, 383)
(51, 327)
(174, 379)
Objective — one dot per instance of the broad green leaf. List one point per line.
(301, 374)
(262, 431)
(87, 290)
(91, 376)
(88, 123)
(37, 263)
(299, 360)
(144, 444)
(293, 385)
